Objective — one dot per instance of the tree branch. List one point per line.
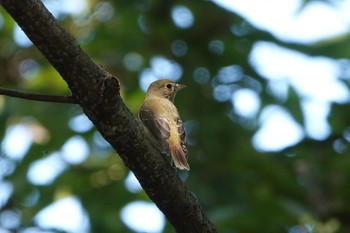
(97, 92)
(38, 97)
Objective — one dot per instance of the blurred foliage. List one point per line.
(304, 188)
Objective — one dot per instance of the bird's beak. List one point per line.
(179, 87)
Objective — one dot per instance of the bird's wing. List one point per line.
(182, 135)
(179, 151)
(158, 126)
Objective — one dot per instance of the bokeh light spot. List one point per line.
(230, 74)
(182, 16)
(132, 184)
(104, 11)
(340, 146)
(101, 146)
(278, 89)
(142, 216)
(20, 38)
(6, 190)
(241, 29)
(7, 166)
(217, 47)
(132, 61)
(246, 103)
(165, 68)
(75, 150)
(28, 68)
(143, 24)
(201, 75)
(161, 68)
(31, 198)
(179, 48)
(222, 93)
(302, 72)
(45, 171)
(17, 142)
(147, 76)
(65, 7)
(66, 215)
(10, 219)
(80, 124)
(315, 118)
(278, 130)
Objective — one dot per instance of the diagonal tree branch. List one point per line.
(38, 97)
(97, 92)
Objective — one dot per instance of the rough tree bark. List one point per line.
(97, 92)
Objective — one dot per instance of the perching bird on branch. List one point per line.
(160, 116)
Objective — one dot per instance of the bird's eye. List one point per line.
(169, 86)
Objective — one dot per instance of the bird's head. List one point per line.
(165, 88)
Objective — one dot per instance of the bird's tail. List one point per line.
(179, 156)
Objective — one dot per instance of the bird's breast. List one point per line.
(162, 107)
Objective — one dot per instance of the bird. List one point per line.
(160, 116)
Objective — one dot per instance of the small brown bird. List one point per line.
(160, 116)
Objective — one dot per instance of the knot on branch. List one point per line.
(102, 98)
(109, 87)
(104, 91)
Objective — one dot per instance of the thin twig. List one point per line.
(38, 97)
